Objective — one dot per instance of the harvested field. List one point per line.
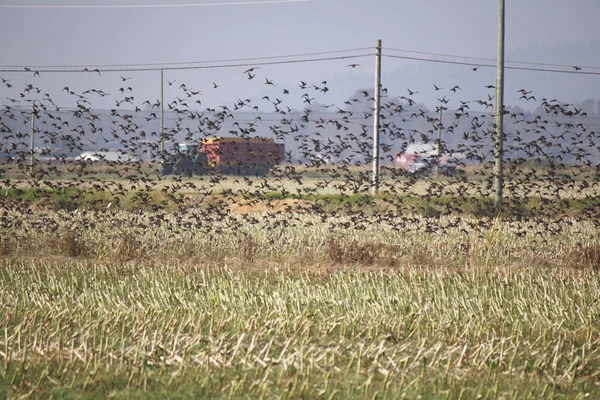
(237, 308)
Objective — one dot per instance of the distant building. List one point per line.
(418, 151)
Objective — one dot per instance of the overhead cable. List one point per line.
(171, 68)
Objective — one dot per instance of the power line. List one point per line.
(16, 6)
(191, 64)
(491, 66)
(228, 65)
(184, 68)
(491, 59)
(186, 62)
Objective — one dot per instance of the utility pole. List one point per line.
(162, 117)
(32, 138)
(376, 95)
(499, 120)
(439, 143)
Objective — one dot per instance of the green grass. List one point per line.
(72, 198)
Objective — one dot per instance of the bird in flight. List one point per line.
(353, 65)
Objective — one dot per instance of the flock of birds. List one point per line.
(551, 155)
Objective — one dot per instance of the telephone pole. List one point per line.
(32, 138)
(499, 120)
(439, 143)
(377, 97)
(162, 116)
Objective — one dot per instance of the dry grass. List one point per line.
(448, 242)
(587, 256)
(362, 253)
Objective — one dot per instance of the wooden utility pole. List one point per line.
(162, 116)
(377, 97)
(439, 143)
(499, 120)
(32, 138)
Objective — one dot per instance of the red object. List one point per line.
(405, 159)
(239, 152)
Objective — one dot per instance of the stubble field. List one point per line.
(125, 304)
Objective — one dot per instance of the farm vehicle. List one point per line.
(225, 155)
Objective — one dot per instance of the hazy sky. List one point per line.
(153, 35)
(66, 37)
